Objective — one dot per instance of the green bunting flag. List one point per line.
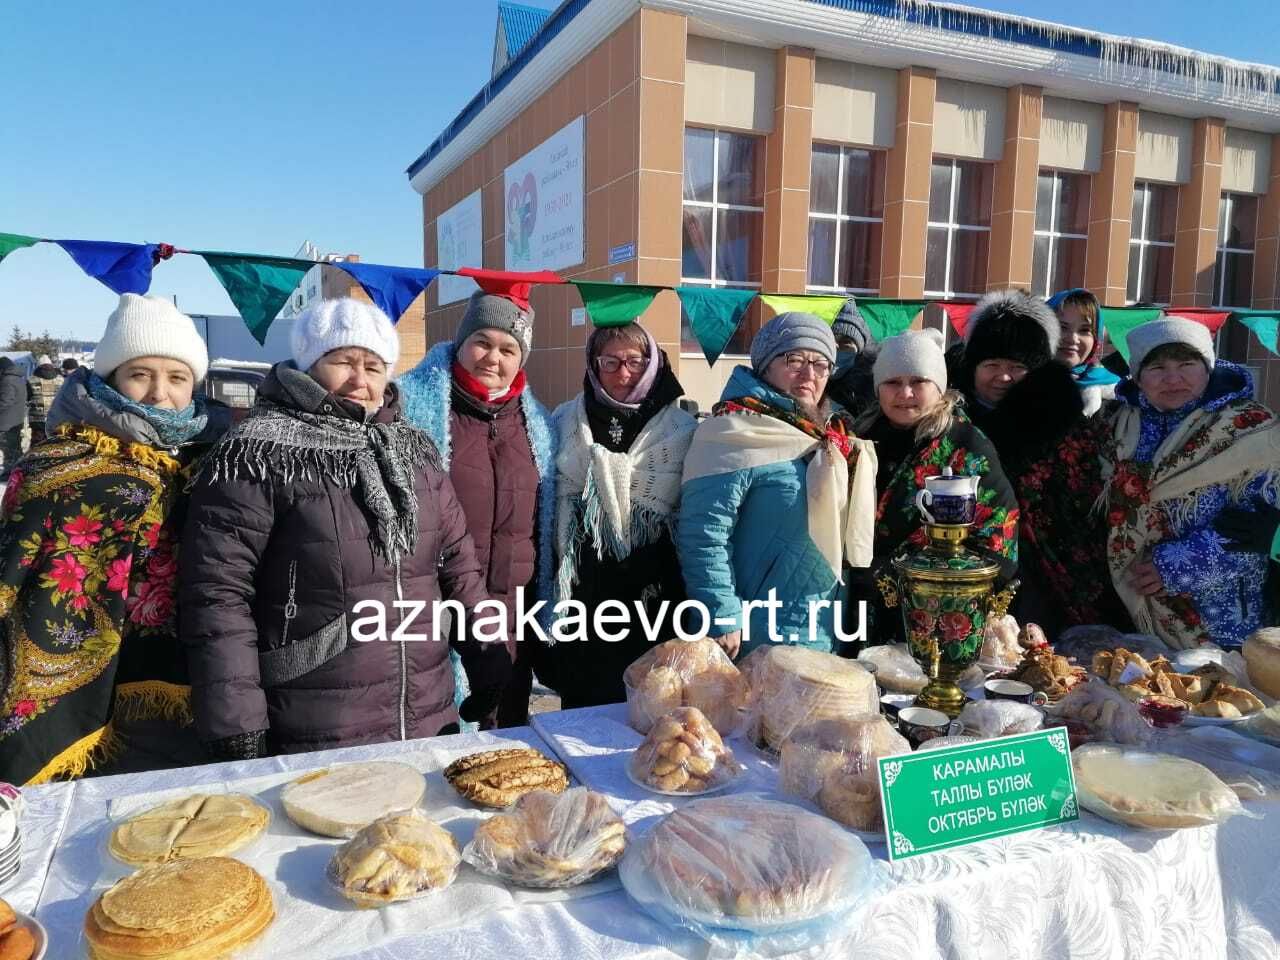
(1118, 321)
(258, 286)
(820, 306)
(714, 315)
(888, 318)
(1265, 325)
(615, 304)
(10, 242)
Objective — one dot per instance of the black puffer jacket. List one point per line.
(13, 395)
(272, 584)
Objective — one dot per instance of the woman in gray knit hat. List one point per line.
(919, 428)
(777, 494)
(470, 395)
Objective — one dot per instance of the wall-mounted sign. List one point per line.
(622, 253)
(578, 317)
(543, 203)
(459, 243)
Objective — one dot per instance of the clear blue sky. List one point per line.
(254, 126)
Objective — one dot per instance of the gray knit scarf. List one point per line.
(378, 462)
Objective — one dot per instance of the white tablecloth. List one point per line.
(1086, 890)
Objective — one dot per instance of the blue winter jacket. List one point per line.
(744, 532)
(1230, 590)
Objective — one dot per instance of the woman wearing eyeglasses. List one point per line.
(778, 495)
(622, 443)
(920, 427)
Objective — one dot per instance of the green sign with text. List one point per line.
(938, 799)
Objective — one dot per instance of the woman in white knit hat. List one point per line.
(1193, 485)
(919, 428)
(322, 520)
(90, 551)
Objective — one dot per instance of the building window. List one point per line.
(1062, 228)
(846, 216)
(959, 229)
(1153, 228)
(1233, 270)
(723, 219)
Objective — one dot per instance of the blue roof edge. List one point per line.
(973, 22)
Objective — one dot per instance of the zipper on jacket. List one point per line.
(290, 604)
(493, 428)
(404, 664)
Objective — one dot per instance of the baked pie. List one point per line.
(395, 858)
(549, 840)
(1153, 790)
(1207, 691)
(731, 860)
(498, 778)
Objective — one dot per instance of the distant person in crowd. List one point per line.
(69, 366)
(1080, 345)
(1193, 483)
(778, 494)
(622, 443)
(919, 428)
(90, 664)
(1030, 405)
(42, 386)
(496, 440)
(13, 413)
(851, 382)
(321, 508)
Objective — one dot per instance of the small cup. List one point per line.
(919, 724)
(1004, 689)
(891, 704)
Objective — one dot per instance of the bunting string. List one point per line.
(259, 286)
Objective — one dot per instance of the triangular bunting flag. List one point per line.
(258, 286)
(512, 284)
(888, 318)
(1265, 325)
(393, 289)
(714, 315)
(1120, 320)
(1213, 319)
(10, 242)
(121, 267)
(820, 306)
(957, 314)
(615, 304)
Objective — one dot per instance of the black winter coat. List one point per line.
(13, 395)
(273, 578)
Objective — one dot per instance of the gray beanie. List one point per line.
(849, 323)
(487, 311)
(916, 353)
(792, 331)
(1148, 336)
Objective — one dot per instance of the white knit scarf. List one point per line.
(615, 501)
(841, 515)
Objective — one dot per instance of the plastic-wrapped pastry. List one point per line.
(399, 857)
(1000, 647)
(833, 762)
(747, 864)
(1000, 718)
(549, 840)
(1104, 712)
(793, 686)
(685, 673)
(683, 753)
(1152, 790)
(896, 670)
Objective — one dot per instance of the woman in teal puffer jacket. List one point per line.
(777, 494)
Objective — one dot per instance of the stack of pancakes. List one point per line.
(196, 826)
(185, 910)
(798, 685)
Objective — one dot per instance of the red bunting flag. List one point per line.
(957, 312)
(1213, 319)
(512, 284)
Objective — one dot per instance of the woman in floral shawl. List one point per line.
(1193, 483)
(89, 550)
(919, 428)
